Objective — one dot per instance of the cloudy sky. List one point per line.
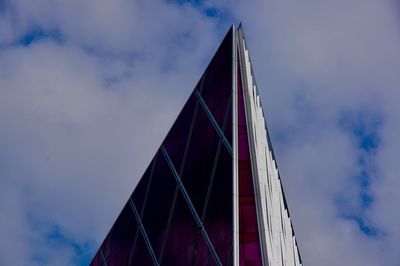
(88, 90)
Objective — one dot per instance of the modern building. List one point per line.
(212, 194)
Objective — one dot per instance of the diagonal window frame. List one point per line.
(191, 207)
(143, 232)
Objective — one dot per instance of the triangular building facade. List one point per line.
(212, 194)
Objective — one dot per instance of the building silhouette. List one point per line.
(212, 194)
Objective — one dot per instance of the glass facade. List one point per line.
(212, 193)
(179, 213)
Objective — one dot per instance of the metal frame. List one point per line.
(235, 164)
(213, 121)
(143, 231)
(103, 259)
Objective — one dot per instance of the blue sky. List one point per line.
(88, 90)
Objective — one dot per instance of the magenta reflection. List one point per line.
(249, 245)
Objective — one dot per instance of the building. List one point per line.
(212, 194)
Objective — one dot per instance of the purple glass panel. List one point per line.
(182, 237)
(217, 85)
(177, 138)
(249, 245)
(201, 255)
(140, 255)
(158, 204)
(207, 175)
(140, 194)
(199, 161)
(218, 212)
(117, 246)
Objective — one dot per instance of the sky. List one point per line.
(89, 89)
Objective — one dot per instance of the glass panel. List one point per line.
(249, 245)
(227, 127)
(199, 160)
(140, 193)
(217, 209)
(201, 254)
(141, 255)
(182, 238)
(176, 140)
(159, 201)
(217, 86)
(121, 238)
(218, 212)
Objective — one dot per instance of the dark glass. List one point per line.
(182, 237)
(199, 161)
(217, 85)
(201, 254)
(141, 255)
(159, 203)
(218, 212)
(177, 138)
(140, 194)
(120, 239)
(205, 167)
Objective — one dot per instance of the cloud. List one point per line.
(88, 89)
(77, 80)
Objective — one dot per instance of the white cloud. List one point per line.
(77, 115)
